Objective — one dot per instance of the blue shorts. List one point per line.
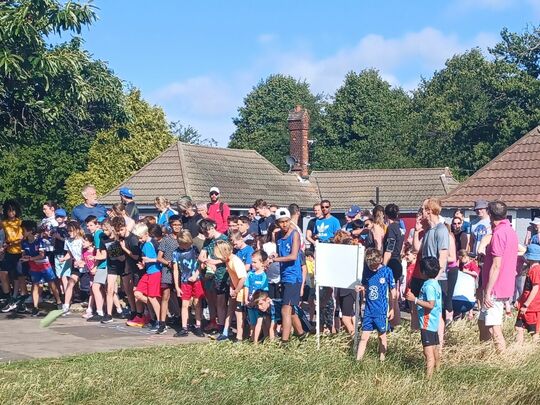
(290, 294)
(63, 269)
(40, 277)
(378, 323)
(253, 314)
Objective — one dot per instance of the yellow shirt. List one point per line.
(14, 233)
(237, 270)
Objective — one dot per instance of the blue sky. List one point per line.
(198, 59)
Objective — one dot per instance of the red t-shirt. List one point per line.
(472, 266)
(533, 278)
(220, 218)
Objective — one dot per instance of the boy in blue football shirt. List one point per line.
(380, 290)
(429, 307)
(256, 280)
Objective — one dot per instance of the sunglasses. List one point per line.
(325, 206)
(456, 223)
(214, 193)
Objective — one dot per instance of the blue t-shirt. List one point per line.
(256, 282)
(274, 311)
(245, 254)
(187, 262)
(98, 243)
(33, 249)
(378, 285)
(430, 291)
(325, 228)
(81, 212)
(148, 250)
(291, 271)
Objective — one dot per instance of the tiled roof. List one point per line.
(242, 176)
(513, 177)
(405, 187)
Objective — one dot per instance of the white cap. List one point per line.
(282, 213)
(535, 221)
(214, 189)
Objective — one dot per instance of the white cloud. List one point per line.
(266, 38)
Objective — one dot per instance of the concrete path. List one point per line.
(22, 338)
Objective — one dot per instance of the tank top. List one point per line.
(290, 271)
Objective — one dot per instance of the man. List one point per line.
(89, 207)
(190, 218)
(351, 215)
(311, 231)
(254, 221)
(266, 218)
(218, 211)
(481, 228)
(498, 275)
(294, 210)
(202, 210)
(327, 225)
(126, 196)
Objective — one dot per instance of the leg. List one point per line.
(54, 290)
(221, 306)
(22, 285)
(415, 326)
(429, 354)
(140, 301)
(98, 297)
(498, 338)
(229, 314)
(164, 306)
(185, 313)
(286, 322)
(519, 335)
(485, 333)
(239, 325)
(127, 283)
(383, 345)
(69, 290)
(362, 345)
(4, 278)
(198, 312)
(111, 286)
(348, 322)
(35, 295)
(155, 304)
(441, 333)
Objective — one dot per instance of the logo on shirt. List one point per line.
(373, 293)
(322, 228)
(382, 280)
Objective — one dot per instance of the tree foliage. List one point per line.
(521, 50)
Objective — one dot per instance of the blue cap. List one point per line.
(60, 212)
(101, 219)
(533, 252)
(353, 211)
(127, 192)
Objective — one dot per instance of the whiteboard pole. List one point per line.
(318, 312)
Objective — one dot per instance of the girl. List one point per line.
(116, 260)
(379, 227)
(119, 210)
(162, 205)
(73, 246)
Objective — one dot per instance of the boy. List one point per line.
(100, 276)
(59, 235)
(243, 226)
(528, 304)
(149, 287)
(256, 280)
(429, 308)
(241, 249)
(187, 282)
(232, 223)
(39, 265)
(268, 315)
(378, 284)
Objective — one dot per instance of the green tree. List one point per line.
(262, 120)
(188, 134)
(521, 50)
(123, 149)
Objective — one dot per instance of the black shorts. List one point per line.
(116, 270)
(429, 338)
(346, 303)
(416, 285)
(291, 293)
(446, 300)
(10, 264)
(274, 290)
(521, 323)
(221, 286)
(397, 269)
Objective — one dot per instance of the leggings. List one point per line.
(448, 292)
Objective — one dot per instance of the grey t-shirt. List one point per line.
(436, 239)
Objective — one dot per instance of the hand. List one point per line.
(391, 314)
(233, 294)
(523, 310)
(178, 291)
(409, 296)
(123, 244)
(516, 305)
(62, 260)
(140, 265)
(192, 279)
(79, 263)
(93, 271)
(302, 291)
(359, 288)
(488, 303)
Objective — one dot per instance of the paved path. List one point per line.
(22, 338)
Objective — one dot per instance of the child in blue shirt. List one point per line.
(380, 288)
(429, 307)
(241, 248)
(256, 280)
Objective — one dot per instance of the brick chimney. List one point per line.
(299, 127)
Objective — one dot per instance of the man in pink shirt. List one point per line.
(498, 275)
(218, 211)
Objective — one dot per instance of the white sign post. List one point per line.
(338, 266)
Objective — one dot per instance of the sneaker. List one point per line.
(211, 327)
(87, 315)
(95, 318)
(59, 306)
(222, 338)
(181, 333)
(10, 306)
(162, 329)
(173, 320)
(35, 311)
(21, 308)
(137, 322)
(107, 319)
(154, 327)
(198, 332)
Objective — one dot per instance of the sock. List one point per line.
(100, 312)
(139, 314)
(65, 307)
(225, 332)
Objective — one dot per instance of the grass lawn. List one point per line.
(298, 373)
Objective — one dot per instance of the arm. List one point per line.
(176, 279)
(240, 286)
(443, 260)
(127, 251)
(304, 277)
(424, 304)
(101, 254)
(294, 251)
(271, 330)
(66, 257)
(257, 331)
(532, 295)
(161, 260)
(493, 276)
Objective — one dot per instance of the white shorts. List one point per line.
(493, 316)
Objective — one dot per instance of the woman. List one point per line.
(379, 227)
(163, 206)
(461, 237)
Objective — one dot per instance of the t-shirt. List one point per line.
(290, 271)
(237, 271)
(192, 224)
(274, 311)
(429, 319)
(132, 244)
(504, 244)
(311, 226)
(378, 285)
(132, 210)
(13, 232)
(478, 231)
(168, 245)
(256, 282)
(209, 246)
(326, 228)
(219, 213)
(81, 212)
(89, 263)
(100, 245)
(253, 227)
(264, 223)
(436, 239)
(148, 250)
(115, 255)
(33, 249)
(74, 247)
(187, 261)
(533, 278)
(59, 243)
(393, 240)
(163, 217)
(245, 254)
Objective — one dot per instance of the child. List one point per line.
(149, 287)
(379, 284)
(528, 304)
(100, 259)
(256, 280)
(237, 276)
(267, 315)
(429, 308)
(241, 249)
(465, 290)
(59, 235)
(73, 247)
(310, 283)
(38, 262)
(243, 226)
(187, 282)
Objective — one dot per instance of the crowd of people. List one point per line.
(202, 270)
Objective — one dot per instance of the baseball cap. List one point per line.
(60, 212)
(533, 252)
(353, 211)
(214, 190)
(127, 192)
(282, 213)
(480, 204)
(535, 221)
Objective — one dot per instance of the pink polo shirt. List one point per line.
(504, 244)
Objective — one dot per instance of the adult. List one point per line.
(294, 210)
(218, 211)
(534, 233)
(352, 214)
(460, 234)
(379, 227)
(327, 225)
(202, 210)
(480, 228)
(164, 211)
(90, 206)
(498, 274)
(190, 217)
(266, 218)
(254, 221)
(311, 231)
(466, 225)
(126, 196)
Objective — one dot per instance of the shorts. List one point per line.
(166, 276)
(461, 307)
(10, 264)
(528, 321)
(238, 306)
(116, 270)
(291, 293)
(253, 314)
(101, 276)
(378, 323)
(274, 290)
(40, 277)
(75, 272)
(445, 298)
(397, 269)
(493, 316)
(429, 338)
(416, 285)
(166, 286)
(150, 285)
(346, 303)
(62, 269)
(85, 281)
(192, 289)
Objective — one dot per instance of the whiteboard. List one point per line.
(338, 266)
